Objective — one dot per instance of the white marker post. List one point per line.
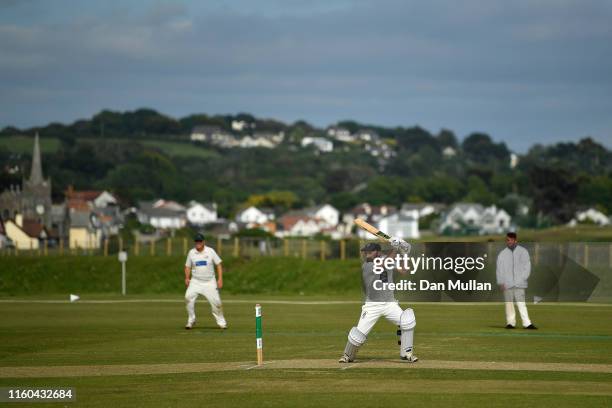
(123, 259)
(258, 334)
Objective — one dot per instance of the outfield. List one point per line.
(136, 353)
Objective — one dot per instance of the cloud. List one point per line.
(519, 70)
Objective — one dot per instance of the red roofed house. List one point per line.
(296, 224)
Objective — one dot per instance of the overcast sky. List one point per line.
(522, 71)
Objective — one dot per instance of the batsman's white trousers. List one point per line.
(517, 295)
(372, 311)
(208, 289)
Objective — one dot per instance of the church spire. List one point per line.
(36, 175)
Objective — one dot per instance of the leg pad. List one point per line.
(407, 325)
(407, 320)
(355, 340)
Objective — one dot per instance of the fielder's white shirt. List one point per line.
(202, 264)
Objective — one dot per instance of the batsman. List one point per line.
(381, 303)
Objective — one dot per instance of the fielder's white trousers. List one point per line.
(208, 289)
(516, 295)
(372, 311)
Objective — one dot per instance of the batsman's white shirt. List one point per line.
(202, 264)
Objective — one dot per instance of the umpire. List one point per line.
(513, 270)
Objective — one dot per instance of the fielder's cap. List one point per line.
(371, 246)
(198, 237)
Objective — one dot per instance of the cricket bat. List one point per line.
(371, 229)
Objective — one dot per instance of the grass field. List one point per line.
(178, 149)
(24, 144)
(137, 354)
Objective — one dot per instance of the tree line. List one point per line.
(553, 181)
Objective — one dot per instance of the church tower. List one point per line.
(36, 194)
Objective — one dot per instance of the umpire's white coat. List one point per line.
(513, 268)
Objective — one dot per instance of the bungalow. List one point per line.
(299, 225)
(162, 214)
(255, 216)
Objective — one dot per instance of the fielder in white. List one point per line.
(380, 303)
(513, 270)
(200, 280)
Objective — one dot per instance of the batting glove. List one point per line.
(405, 247)
(400, 245)
(395, 242)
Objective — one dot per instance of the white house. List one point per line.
(254, 215)
(514, 160)
(201, 214)
(340, 133)
(320, 143)
(399, 225)
(494, 221)
(591, 215)
(275, 138)
(240, 125)
(461, 214)
(366, 135)
(212, 134)
(104, 200)
(162, 214)
(204, 133)
(473, 216)
(448, 152)
(324, 212)
(300, 226)
(250, 141)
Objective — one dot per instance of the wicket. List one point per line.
(258, 334)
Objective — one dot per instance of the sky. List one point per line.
(524, 72)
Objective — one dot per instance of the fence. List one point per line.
(236, 247)
(586, 254)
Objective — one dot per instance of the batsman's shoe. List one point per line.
(189, 325)
(509, 326)
(409, 358)
(531, 327)
(345, 359)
